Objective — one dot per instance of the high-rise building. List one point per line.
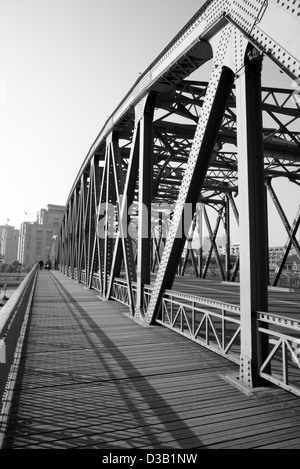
(9, 244)
(1, 231)
(36, 237)
(50, 215)
(34, 242)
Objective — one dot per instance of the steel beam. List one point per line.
(218, 90)
(227, 231)
(122, 228)
(200, 234)
(122, 247)
(90, 223)
(72, 231)
(236, 215)
(291, 231)
(252, 218)
(144, 202)
(93, 253)
(189, 249)
(102, 219)
(213, 246)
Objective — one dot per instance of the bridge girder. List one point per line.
(191, 151)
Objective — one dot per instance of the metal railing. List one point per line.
(95, 284)
(213, 324)
(216, 325)
(13, 319)
(120, 291)
(282, 365)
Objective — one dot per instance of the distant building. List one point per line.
(275, 254)
(235, 249)
(34, 242)
(50, 215)
(292, 264)
(1, 231)
(36, 237)
(9, 244)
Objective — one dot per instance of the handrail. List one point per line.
(12, 319)
(213, 324)
(216, 325)
(281, 366)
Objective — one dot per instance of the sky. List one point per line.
(64, 67)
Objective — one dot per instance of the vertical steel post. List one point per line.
(122, 228)
(227, 231)
(127, 199)
(144, 203)
(81, 228)
(106, 239)
(200, 233)
(94, 200)
(253, 217)
(213, 246)
(237, 260)
(90, 224)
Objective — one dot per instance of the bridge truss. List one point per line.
(197, 141)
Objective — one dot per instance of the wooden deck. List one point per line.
(90, 377)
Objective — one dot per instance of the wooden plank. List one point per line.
(90, 377)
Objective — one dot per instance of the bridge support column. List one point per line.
(144, 204)
(227, 231)
(253, 218)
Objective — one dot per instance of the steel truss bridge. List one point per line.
(197, 135)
